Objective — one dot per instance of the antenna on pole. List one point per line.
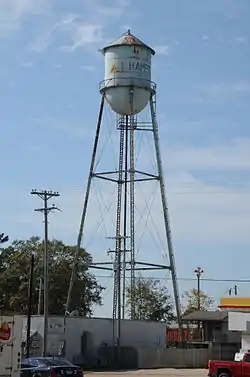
(236, 290)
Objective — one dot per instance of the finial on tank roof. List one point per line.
(128, 31)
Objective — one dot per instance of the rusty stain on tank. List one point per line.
(113, 69)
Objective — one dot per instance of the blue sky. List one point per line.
(50, 69)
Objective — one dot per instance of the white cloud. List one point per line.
(225, 91)
(89, 68)
(81, 30)
(202, 215)
(209, 213)
(74, 130)
(201, 212)
(89, 30)
(32, 148)
(13, 13)
(240, 40)
(74, 28)
(161, 50)
(27, 64)
(233, 156)
(41, 43)
(205, 37)
(205, 211)
(125, 27)
(82, 34)
(112, 8)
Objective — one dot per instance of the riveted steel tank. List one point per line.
(127, 85)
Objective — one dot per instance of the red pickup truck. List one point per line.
(238, 368)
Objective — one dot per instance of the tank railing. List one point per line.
(127, 81)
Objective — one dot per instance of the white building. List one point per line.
(238, 317)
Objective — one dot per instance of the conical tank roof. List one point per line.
(127, 39)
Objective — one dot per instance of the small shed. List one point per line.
(214, 324)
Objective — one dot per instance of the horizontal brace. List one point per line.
(101, 268)
(107, 172)
(117, 238)
(153, 265)
(120, 127)
(122, 251)
(145, 124)
(100, 263)
(103, 175)
(116, 180)
(144, 129)
(123, 171)
(105, 178)
(145, 179)
(147, 268)
(147, 174)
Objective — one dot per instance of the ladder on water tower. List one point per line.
(117, 262)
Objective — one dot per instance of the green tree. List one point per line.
(15, 270)
(191, 297)
(152, 301)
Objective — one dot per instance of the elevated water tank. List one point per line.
(127, 85)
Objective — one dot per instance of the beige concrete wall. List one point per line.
(172, 358)
(133, 333)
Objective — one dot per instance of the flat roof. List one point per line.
(209, 315)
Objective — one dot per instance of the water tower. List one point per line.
(128, 90)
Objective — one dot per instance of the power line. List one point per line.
(211, 280)
(218, 280)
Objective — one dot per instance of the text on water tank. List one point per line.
(132, 66)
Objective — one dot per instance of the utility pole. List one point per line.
(45, 196)
(198, 272)
(39, 296)
(30, 306)
(3, 238)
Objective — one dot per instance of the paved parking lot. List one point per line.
(153, 373)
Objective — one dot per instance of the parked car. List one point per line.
(240, 367)
(49, 367)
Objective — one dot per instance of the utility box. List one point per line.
(10, 345)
